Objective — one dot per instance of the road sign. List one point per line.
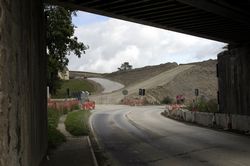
(143, 92)
(196, 92)
(125, 92)
(68, 92)
(140, 92)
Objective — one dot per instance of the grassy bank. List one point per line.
(77, 123)
(74, 86)
(55, 137)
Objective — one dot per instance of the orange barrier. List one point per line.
(63, 104)
(88, 105)
(174, 107)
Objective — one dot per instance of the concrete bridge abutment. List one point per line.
(234, 80)
(23, 117)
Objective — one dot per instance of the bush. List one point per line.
(203, 105)
(53, 117)
(167, 100)
(75, 107)
(65, 111)
(212, 105)
(77, 123)
(55, 137)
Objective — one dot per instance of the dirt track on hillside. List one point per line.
(154, 82)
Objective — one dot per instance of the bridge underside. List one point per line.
(23, 117)
(226, 21)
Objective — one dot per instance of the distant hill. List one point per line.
(137, 75)
(201, 76)
(164, 80)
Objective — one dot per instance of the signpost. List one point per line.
(125, 92)
(196, 91)
(142, 92)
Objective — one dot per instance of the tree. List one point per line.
(125, 66)
(60, 42)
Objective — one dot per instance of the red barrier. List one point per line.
(88, 105)
(63, 104)
(70, 104)
(174, 107)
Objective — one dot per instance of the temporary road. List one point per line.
(141, 136)
(158, 80)
(108, 85)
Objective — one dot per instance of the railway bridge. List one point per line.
(23, 117)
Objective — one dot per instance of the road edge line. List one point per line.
(92, 152)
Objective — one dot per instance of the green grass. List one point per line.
(167, 100)
(77, 123)
(55, 137)
(74, 86)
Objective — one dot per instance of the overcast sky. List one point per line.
(114, 41)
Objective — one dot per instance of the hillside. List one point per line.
(140, 74)
(201, 76)
(163, 80)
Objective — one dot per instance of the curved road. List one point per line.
(141, 136)
(161, 79)
(108, 85)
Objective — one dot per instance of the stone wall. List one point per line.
(23, 124)
(234, 80)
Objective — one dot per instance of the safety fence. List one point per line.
(70, 104)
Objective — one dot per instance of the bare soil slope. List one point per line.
(201, 76)
(165, 80)
(158, 80)
(140, 74)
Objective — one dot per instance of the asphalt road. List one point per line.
(108, 85)
(141, 136)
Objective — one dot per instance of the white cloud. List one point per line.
(113, 42)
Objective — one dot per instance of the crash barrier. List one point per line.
(88, 105)
(70, 104)
(134, 102)
(62, 104)
(216, 120)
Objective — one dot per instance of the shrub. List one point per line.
(65, 111)
(167, 100)
(53, 117)
(212, 105)
(77, 123)
(203, 105)
(75, 107)
(55, 137)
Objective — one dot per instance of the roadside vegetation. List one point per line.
(55, 137)
(77, 123)
(167, 100)
(74, 85)
(203, 105)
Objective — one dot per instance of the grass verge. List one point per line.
(74, 85)
(77, 123)
(55, 137)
